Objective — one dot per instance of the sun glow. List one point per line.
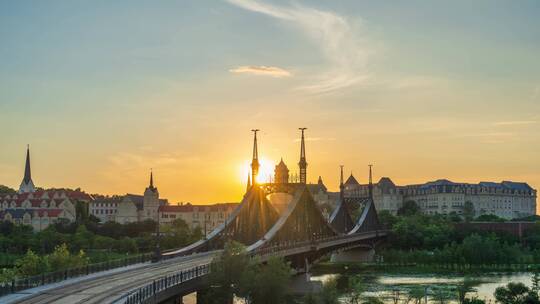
(266, 170)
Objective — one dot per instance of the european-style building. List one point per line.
(39, 208)
(137, 208)
(505, 199)
(205, 217)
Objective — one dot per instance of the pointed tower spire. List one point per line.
(248, 182)
(303, 163)
(255, 159)
(27, 171)
(370, 182)
(27, 185)
(151, 179)
(341, 184)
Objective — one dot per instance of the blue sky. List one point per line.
(105, 90)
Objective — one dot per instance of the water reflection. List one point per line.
(385, 286)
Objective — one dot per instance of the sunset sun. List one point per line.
(266, 170)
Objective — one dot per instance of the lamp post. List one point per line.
(157, 253)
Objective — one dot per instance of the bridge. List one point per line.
(273, 219)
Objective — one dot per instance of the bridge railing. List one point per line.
(315, 241)
(19, 284)
(150, 290)
(146, 292)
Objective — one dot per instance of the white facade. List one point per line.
(506, 199)
(206, 217)
(136, 208)
(104, 209)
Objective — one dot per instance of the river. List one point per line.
(385, 286)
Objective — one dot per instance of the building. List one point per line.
(206, 217)
(505, 199)
(105, 208)
(386, 195)
(39, 208)
(137, 208)
(281, 173)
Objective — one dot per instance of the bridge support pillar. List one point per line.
(203, 297)
(176, 300)
(359, 255)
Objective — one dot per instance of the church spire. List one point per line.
(27, 171)
(248, 182)
(303, 163)
(27, 185)
(255, 159)
(151, 179)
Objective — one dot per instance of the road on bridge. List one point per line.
(108, 288)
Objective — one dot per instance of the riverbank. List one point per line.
(412, 268)
(390, 284)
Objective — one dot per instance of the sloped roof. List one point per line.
(351, 181)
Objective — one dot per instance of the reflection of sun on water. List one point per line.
(266, 170)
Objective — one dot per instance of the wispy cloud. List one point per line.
(337, 40)
(515, 123)
(262, 70)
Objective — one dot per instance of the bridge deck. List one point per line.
(107, 287)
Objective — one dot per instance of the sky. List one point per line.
(102, 91)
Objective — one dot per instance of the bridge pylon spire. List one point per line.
(255, 159)
(341, 184)
(370, 187)
(303, 163)
(248, 182)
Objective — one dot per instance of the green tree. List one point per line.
(82, 239)
(442, 295)
(417, 294)
(31, 264)
(386, 218)
(409, 208)
(81, 210)
(465, 287)
(474, 300)
(354, 290)
(512, 293)
(62, 259)
(468, 211)
(226, 272)
(329, 293)
(535, 282)
(372, 300)
(265, 283)
(489, 218)
(7, 190)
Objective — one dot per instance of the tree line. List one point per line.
(25, 252)
(415, 237)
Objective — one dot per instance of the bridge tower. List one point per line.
(341, 184)
(255, 159)
(248, 182)
(370, 187)
(303, 163)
